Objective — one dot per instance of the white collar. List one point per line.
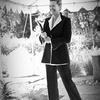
(58, 20)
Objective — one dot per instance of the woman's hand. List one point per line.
(48, 40)
(44, 34)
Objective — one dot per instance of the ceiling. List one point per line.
(72, 5)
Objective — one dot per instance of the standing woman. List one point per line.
(57, 33)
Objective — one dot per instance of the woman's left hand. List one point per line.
(48, 40)
(44, 34)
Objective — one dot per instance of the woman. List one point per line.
(57, 32)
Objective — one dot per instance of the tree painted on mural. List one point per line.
(8, 21)
(14, 23)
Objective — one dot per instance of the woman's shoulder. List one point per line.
(65, 18)
(47, 18)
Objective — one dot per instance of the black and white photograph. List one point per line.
(49, 49)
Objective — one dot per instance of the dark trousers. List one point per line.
(52, 84)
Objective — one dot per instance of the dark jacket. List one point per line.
(57, 51)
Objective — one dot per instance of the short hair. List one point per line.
(59, 2)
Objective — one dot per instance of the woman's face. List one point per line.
(54, 8)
